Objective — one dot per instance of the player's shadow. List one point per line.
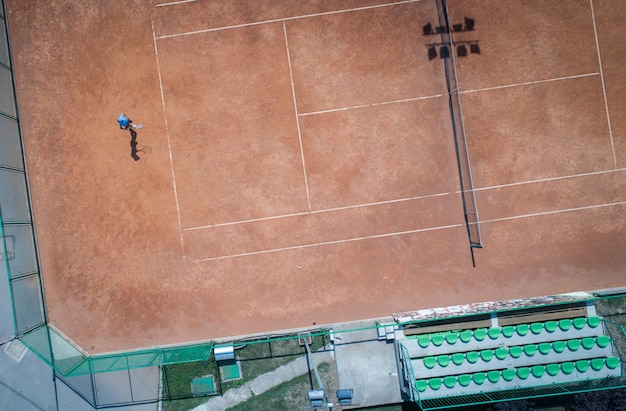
(133, 145)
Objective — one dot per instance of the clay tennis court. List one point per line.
(303, 165)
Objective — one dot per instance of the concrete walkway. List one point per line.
(263, 383)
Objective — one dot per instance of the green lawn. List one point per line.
(256, 358)
(290, 395)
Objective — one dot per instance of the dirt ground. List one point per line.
(303, 168)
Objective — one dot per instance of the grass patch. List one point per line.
(290, 395)
(183, 405)
(177, 380)
(256, 358)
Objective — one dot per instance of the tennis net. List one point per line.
(458, 128)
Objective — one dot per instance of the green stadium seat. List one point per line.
(597, 364)
(480, 334)
(437, 339)
(472, 357)
(594, 322)
(494, 333)
(523, 373)
(421, 385)
(603, 341)
(536, 328)
(452, 338)
(559, 346)
(423, 341)
(430, 362)
(493, 376)
(573, 345)
(465, 380)
(588, 343)
(458, 358)
(466, 336)
(545, 348)
(565, 324)
(612, 362)
(508, 331)
(522, 329)
(582, 365)
(516, 351)
(553, 369)
(435, 383)
(568, 367)
(580, 323)
(443, 360)
(508, 374)
(479, 378)
(501, 353)
(530, 350)
(449, 381)
(486, 355)
(551, 326)
(538, 370)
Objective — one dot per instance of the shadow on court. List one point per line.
(133, 145)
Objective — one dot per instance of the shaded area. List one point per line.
(133, 145)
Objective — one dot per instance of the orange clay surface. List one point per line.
(303, 167)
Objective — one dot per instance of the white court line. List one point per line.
(253, 220)
(541, 180)
(295, 107)
(403, 199)
(167, 133)
(297, 247)
(173, 3)
(606, 103)
(528, 83)
(349, 240)
(286, 19)
(405, 100)
(567, 210)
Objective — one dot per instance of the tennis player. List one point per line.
(124, 122)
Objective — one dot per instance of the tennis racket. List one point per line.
(146, 150)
